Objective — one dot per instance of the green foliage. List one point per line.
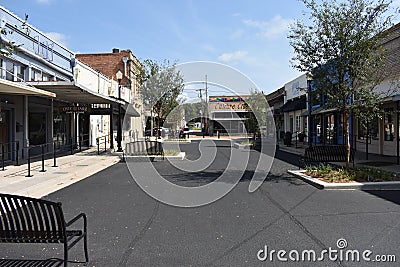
(257, 103)
(171, 152)
(247, 142)
(161, 86)
(341, 48)
(336, 174)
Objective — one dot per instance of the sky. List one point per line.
(250, 36)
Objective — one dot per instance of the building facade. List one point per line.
(46, 94)
(228, 115)
(275, 101)
(127, 63)
(295, 105)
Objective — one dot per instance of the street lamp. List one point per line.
(118, 75)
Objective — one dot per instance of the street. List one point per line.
(129, 228)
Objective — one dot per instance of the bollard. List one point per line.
(2, 156)
(17, 155)
(98, 146)
(80, 143)
(54, 155)
(29, 163)
(43, 170)
(105, 144)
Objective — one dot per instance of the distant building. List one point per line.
(227, 114)
(295, 105)
(126, 62)
(275, 101)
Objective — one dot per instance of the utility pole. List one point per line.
(206, 113)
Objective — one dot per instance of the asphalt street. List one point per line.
(127, 227)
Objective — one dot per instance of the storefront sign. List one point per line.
(226, 99)
(100, 109)
(75, 109)
(228, 106)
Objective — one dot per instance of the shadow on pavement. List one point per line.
(287, 157)
(389, 195)
(31, 263)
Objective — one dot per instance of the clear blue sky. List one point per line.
(247, 35)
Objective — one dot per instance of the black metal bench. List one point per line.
(325, 154)
(31, 220)
(144, 148)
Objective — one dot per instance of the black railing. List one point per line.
(100, 141)
(52, 149)
(9, 151)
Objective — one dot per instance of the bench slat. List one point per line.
(325, 154)
(4, 220)
(30, 220)
(28, 217)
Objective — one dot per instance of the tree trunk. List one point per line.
(346, 124)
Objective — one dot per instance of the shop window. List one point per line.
(388, 125)
(21, 73)
(46, 77)
(372, 127)
(9, 71)
(36, 75)
(297, 123)
(37, 128)
(291, 123)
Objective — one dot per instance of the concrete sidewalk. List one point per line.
(70, 169)
(387, 163)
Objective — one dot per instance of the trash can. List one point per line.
(287, 140)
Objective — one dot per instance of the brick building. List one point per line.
(127, 63)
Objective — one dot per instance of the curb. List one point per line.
(181, 156)
(345, 186)
(239, 146)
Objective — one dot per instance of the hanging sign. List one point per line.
(74, 109)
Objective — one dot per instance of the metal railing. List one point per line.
(51, 149)
(7, 153)
(102, 140)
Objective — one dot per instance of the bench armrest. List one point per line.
(82, 215)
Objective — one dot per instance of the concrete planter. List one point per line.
(342, 186)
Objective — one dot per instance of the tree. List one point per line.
(256, 103)
(341, 47)
(161, 86)
(6, 47)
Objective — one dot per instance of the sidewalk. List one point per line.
(387, 163)
(71, 169)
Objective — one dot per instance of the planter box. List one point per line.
(341, 186)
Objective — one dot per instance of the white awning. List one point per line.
(76, 93)
(17, 88)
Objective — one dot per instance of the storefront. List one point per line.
(228, 115)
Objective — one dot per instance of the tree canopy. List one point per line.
(341, 46)
(161, 86)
